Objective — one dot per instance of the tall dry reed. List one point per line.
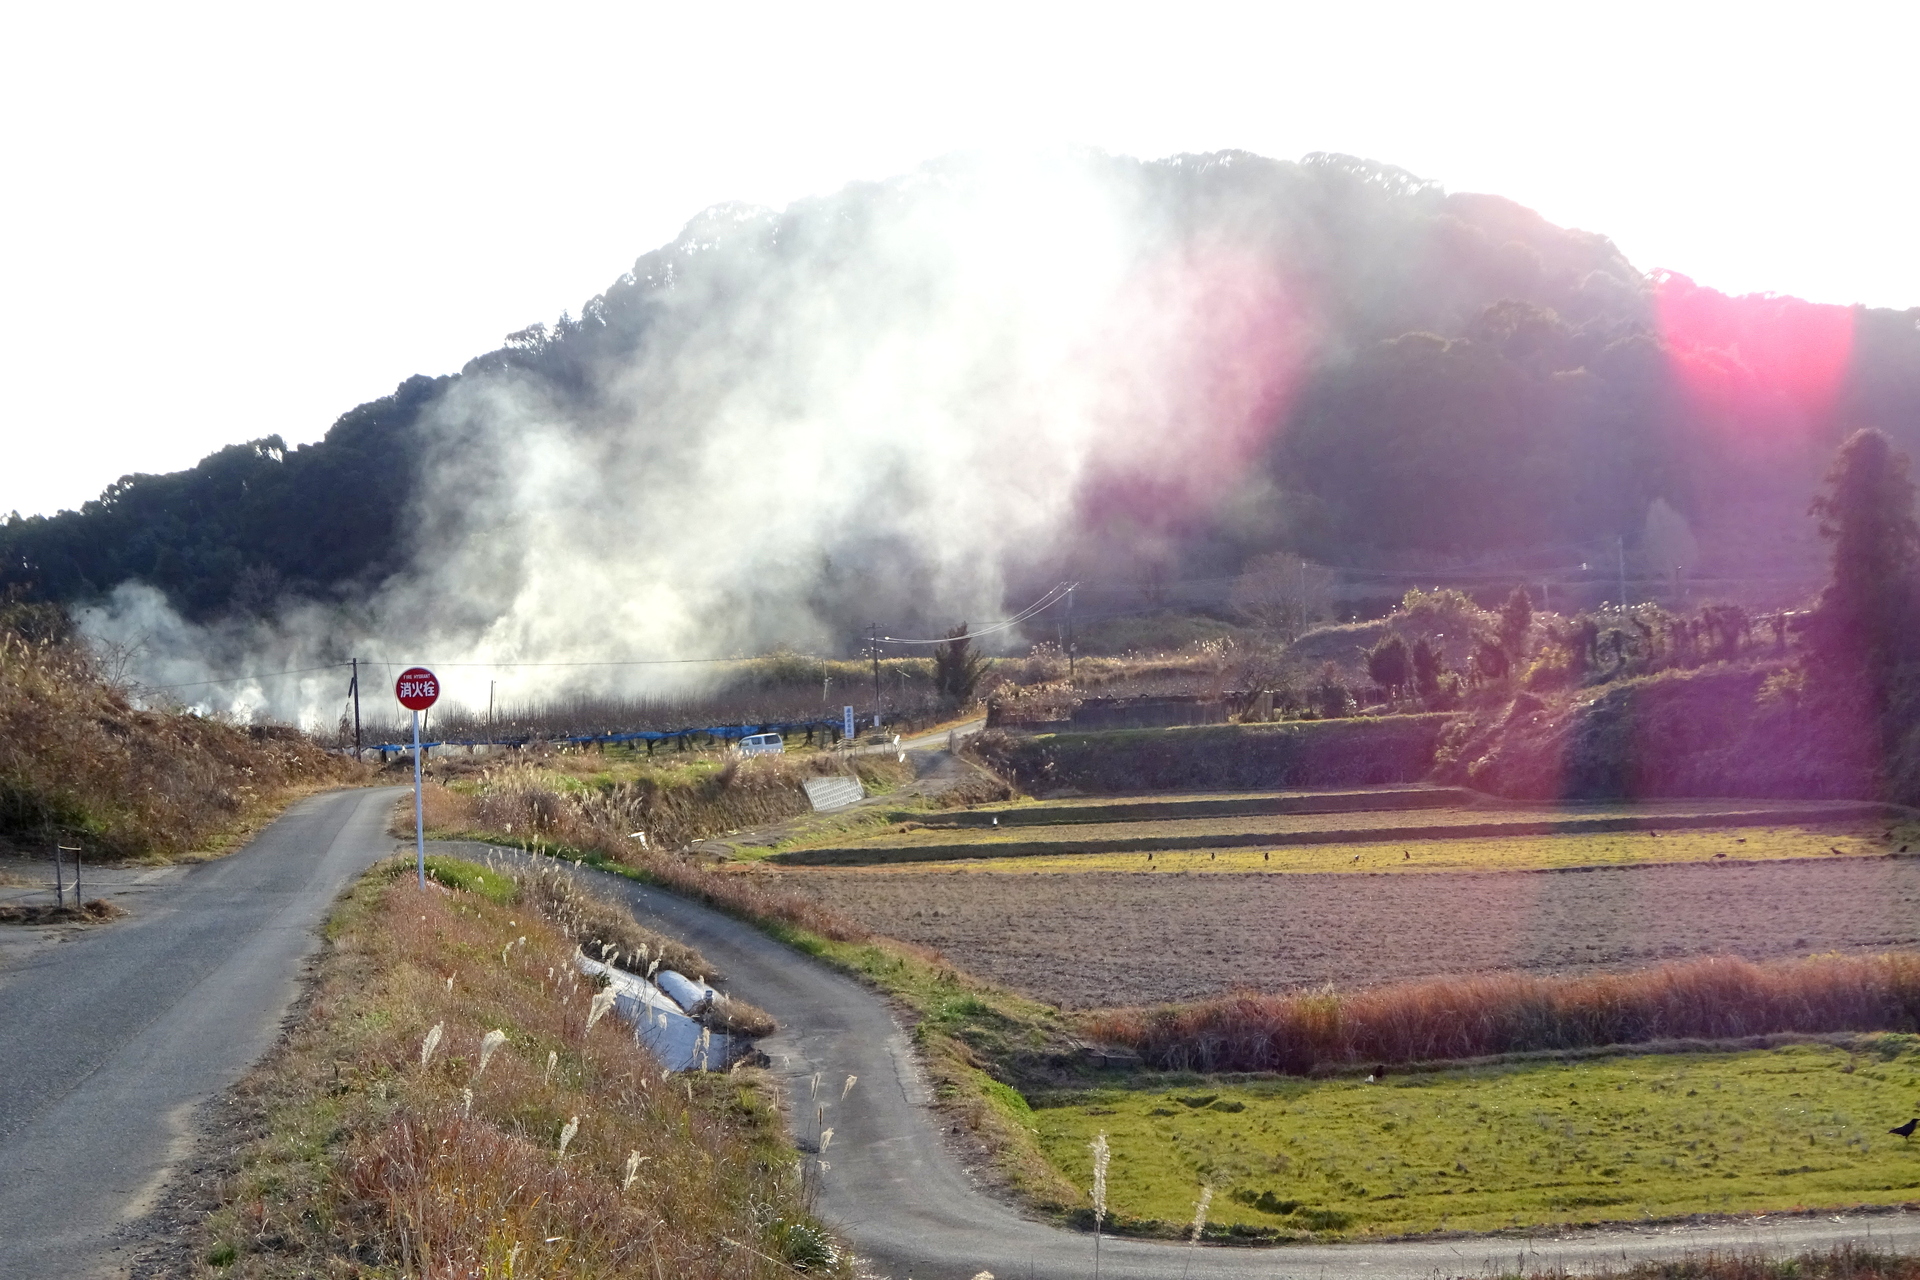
(1447, 1018)
(78, 759)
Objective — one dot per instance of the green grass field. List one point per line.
(1480, 1149)
(1479, 853)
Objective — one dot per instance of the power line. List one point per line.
(1052, 597)
(262, 675)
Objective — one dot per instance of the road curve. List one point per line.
(112, 1040)
(898, 1193)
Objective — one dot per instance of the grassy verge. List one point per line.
(671, 802)
(1494, 853)
(1847, 1262)
(1486, 1148)
(387, 1140)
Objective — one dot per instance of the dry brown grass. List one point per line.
(607, 931)
(365, 1161)
(675, 802)
(544, 820)
(78, 761)
(1451, 1018)
(1846, 1262)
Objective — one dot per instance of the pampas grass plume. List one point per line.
(566, 1134)
(553, 1060)
(633, 1169)
(847, 1088)
(431, 1043)
(598, 1009)
(1101, 1155)
(489, 1043)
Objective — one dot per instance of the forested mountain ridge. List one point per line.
(245, 525)
(1332, 357)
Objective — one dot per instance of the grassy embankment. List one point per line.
(1578, 1134)
(674, 799)
(1361, 751)
(79, 763)
(386, 1138)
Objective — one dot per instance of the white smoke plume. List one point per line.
(904, 403)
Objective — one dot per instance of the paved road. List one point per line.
(112, 1039)
(898, 1193)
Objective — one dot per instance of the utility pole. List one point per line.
(490, 685)
(1070, 634)
(354, 688)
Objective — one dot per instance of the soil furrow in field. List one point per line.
(1103, 938)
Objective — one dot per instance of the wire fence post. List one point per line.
(79, 899)
(59, 875)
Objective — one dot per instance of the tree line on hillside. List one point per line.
(1482, 383)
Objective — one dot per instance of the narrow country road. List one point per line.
(898, 1193)
(112, 1039)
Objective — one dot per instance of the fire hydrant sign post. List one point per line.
(418, 688)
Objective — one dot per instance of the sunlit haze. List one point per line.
(228, 222)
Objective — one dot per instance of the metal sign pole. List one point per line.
(419, 812)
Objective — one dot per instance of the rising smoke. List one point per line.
(913, 402)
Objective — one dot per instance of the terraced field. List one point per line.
(1082, 918)
(1415, 854)
(1220, 823)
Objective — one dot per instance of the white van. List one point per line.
(762, 744)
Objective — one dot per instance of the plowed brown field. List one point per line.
(1100, 938)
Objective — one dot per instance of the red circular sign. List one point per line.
(417, 688)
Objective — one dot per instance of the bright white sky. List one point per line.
(223, 222)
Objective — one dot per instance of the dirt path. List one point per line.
(1097, 938)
